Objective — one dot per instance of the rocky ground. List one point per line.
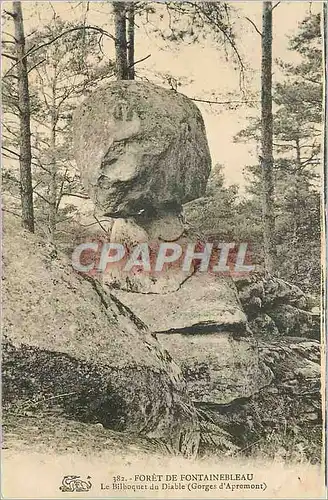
(195, 363)
(74, 351)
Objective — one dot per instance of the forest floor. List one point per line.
(39, 450)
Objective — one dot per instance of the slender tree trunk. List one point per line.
(25, 158)
(53, 168)
(131, 41)
(296, 214)
(120, 42)
(267, 139)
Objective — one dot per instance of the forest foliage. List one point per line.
(67, 60)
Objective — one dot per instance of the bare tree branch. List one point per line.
(9, 57)
(11, 14)
(36, 65)
(11, 212)
(99, 222)
(9, 34)
(206, 101)
(66, 32)
(7, 127)
(42, 197)
(254, 26)
(139, 61)
(226, 35)
(39, 164)
(8, 156)
(11, 151)
(92, 223)
(83, 196)
(276, 5)
(60, 195)
(37, 184)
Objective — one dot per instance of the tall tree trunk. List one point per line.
(53, 168)
(267, 139)
(297, 213)
(131, 41)
(25, 158)
(120, 41)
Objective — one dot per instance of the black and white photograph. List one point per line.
(163, 249)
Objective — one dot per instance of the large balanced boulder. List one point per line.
(143, 153)
(140, 147)
(69, 344)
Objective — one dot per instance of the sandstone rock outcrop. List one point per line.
(130, 233)
(140, 147)
(68, 343)
(275, 306)
(236, 341)
(289, 403)
(203, 303)
(217, 368)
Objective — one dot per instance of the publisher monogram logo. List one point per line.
(75, 483)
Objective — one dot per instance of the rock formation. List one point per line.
(69, 345)
(274, 306)
(143, 153)
(140, 147)
(287, 403)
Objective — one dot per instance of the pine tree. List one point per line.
(266, 140)
(68, 64)
(20, 101)
(297, 124)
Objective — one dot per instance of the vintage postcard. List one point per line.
(164, 280)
